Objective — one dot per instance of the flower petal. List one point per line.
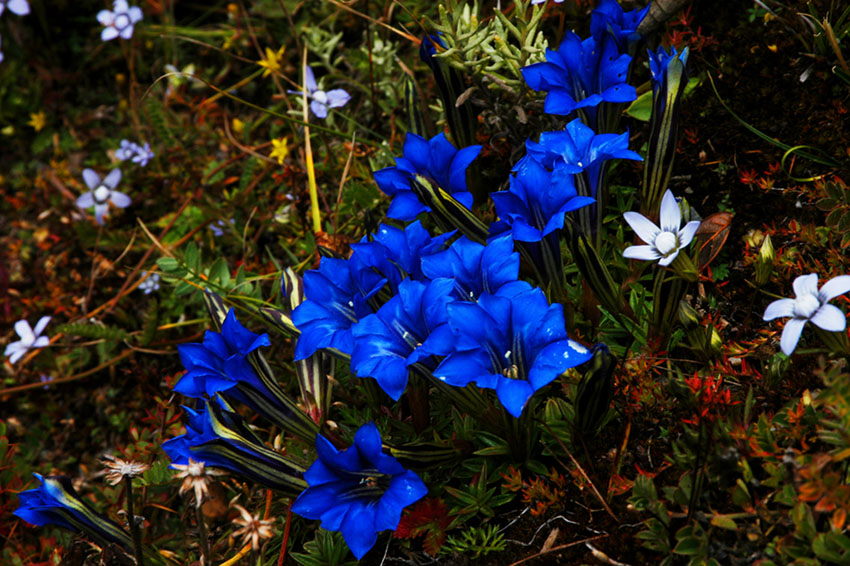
(338, 98)
(112, 179)
(91, 178)
(22, 327)
(806, 285)
(645, 229)
(41, 325)
(671, 216)
(105, 17)
(829, 318)
(645, 253)
(791, 335)
(319, 109)
(834, 287)
(108, 33)
(119, 199)
(19, 7)
(310, 80)
(85, 200)
(779, 308)
(687, 233)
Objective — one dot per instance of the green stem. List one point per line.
(203, 536)
(134, 527)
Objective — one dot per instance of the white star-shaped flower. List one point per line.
(809, 305)
(119, 21)
(30, 338)
(101, 193)
(665, 242)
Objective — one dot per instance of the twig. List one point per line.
(556, 549)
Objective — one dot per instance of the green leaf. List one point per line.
(724, 522)
(689, 546)
(641, 109)
(168, 264)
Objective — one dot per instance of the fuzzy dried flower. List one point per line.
(118, 469)
(195, 476)
(252, 528)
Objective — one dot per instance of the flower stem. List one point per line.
(203, 536)
(134, 527)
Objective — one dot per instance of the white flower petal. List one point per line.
(806, 285)
(127, 32)
(135, 14)
(17, 355)
(645, 229)
(669, 259)
(19, 7)
(105, 17)
(22, 327)
(671, 216)
(791, 335)
(113, 178)
(646, 253)
(14, 347)
(41, 342)
(776, 309)
(91, 178)
(120, 5)
(119, 199)
(834, 287)
(99, 211)
(85, 200)
(108, 33)
(687, 233)
(830, 318)
(41, 325)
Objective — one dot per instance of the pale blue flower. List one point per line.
(119, 21)
(150, 284)
(134, 152)
(30, 338)
(102, 193)
(320, 99)
(809, 305)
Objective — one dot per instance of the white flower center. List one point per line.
(101, 194)
(320, 96)
(806, 306)
(666, 243)
(121, 21)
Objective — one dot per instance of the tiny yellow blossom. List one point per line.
(238, 126)
(279, 150)
(271, 62)
(37, 120)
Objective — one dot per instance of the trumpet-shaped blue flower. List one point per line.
(407, 329)
(474, 268)
(581, 74)
(661, 63)
(119, 21)
(101, 193)
(218, 437)
(662, 243)
(514, 345)
(535, 205)
(358, 491)
(435, 159)
(55, 502)
(341, 292)
(577, 148)
(220, 362)
(809, 305)
(609, 17)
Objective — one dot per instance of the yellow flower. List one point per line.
(271, 61)
(279, 150)
(37, 120)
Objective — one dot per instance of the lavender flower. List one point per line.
(30, 338)
(119, 21)
(101, 193)
(321, 100)
(134, 152)
(150, 284)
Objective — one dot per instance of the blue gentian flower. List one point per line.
(55, 502)
(661, 62)
(119, 21)
(220, 362)
(320, 100)
(406, 330)
(609, 17)
(29, 339)
(514, 345)
(341, 292)
(474, 268)
(534, 205)
(435, 159)
(101, 193)
(217, 436)
(581, 74)
(577, 148)
(19, 7)
(359, 491)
